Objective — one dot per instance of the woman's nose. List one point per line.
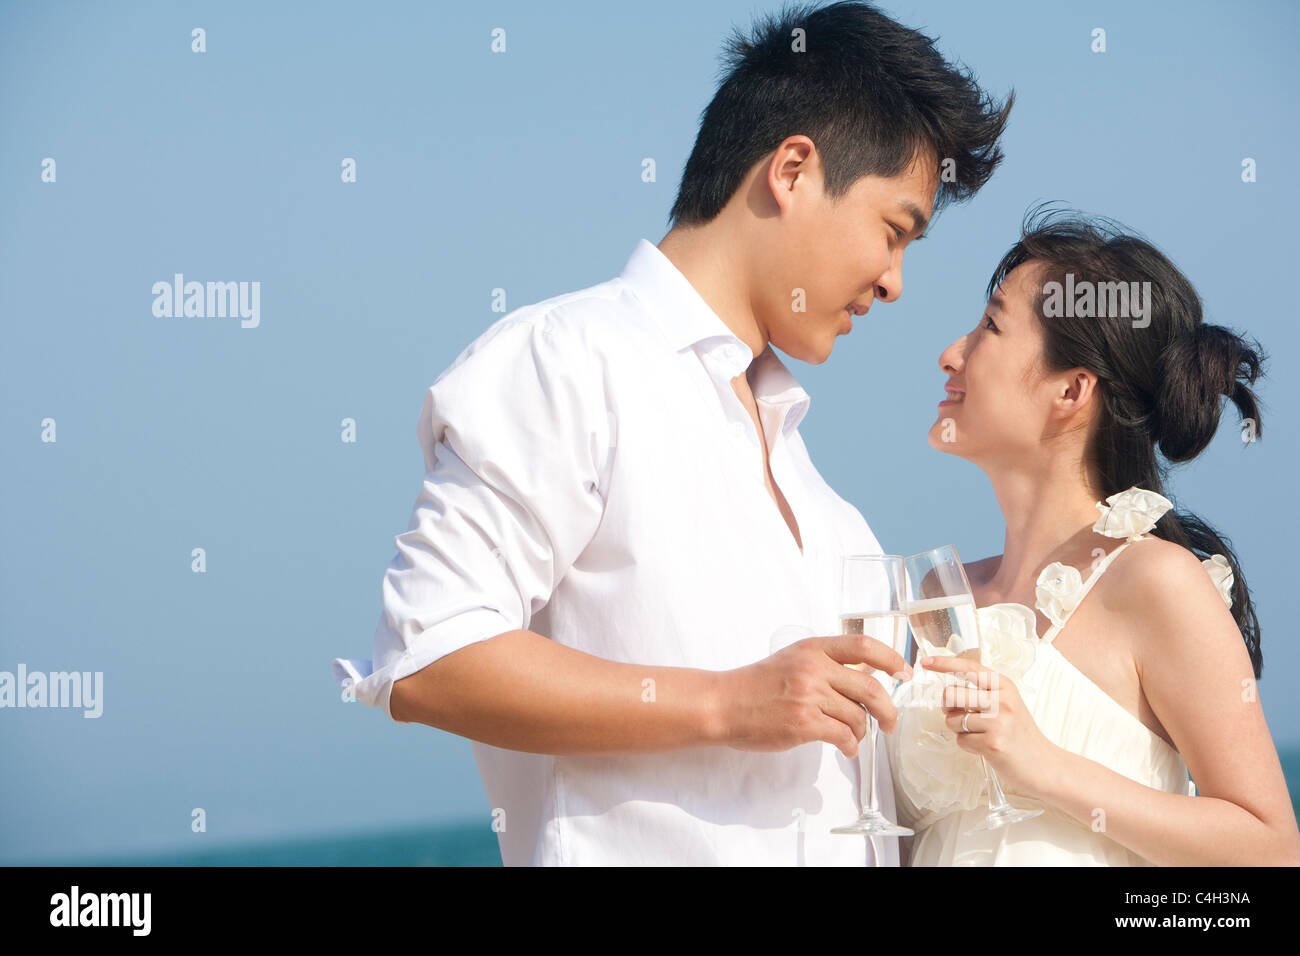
(950, 360)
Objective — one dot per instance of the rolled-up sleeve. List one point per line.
(515, 435)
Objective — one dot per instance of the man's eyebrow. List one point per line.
(919, 220)
(997, 301)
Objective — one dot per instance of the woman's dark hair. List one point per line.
(1162, 375)
(869, 92)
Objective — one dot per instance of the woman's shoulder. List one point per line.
(1156, 571)
(1161, 595)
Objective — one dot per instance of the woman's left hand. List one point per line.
(999, 726)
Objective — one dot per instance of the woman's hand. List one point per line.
(999, 726)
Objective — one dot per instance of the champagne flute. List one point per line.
(874, 602)
(941, 609)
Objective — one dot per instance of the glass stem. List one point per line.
(995, 788)
(869, 769)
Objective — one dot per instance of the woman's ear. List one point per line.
(1077, 391)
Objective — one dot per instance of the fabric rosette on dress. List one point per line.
(1221, 574)
(1129, 514)
(1058, 591)
(937, 775)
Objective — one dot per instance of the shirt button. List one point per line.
(738, 430)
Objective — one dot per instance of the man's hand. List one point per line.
(805, 692)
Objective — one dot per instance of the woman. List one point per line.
(1102, 706)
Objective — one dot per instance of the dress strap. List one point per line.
(1056, 629)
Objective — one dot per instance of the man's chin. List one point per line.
(823, 351)
(814, 353)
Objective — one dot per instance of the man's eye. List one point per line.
(988, 324)
(898, 233)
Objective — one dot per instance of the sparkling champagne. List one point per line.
(946, 626)
(890, 628)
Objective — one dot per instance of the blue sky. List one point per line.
(475, 171)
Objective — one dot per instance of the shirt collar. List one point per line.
(688, 321)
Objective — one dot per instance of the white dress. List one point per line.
(940, 790)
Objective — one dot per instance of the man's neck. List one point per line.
(713, 263)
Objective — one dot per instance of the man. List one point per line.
(621, 576)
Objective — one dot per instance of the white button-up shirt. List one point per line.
(592, 476)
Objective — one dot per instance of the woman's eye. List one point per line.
(988, 324)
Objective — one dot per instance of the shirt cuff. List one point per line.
(374, 688)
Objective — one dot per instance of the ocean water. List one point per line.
(455, 844)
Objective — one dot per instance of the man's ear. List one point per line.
(794, 160)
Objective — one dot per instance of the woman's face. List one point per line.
(1003, 405)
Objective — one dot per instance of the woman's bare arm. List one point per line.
(1197, 678)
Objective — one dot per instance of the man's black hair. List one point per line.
(869, 92)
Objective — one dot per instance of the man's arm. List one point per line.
(515, 437)
(523, 691)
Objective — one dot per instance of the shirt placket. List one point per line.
(787, 478)
(747, 462)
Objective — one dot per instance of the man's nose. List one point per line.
(890, 285)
